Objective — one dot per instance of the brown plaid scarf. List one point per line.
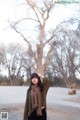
(36, 99)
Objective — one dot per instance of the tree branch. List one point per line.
(48, 8)
(48, 57)
(25, 39)
(54, 32)
(33, 6)
(26, 19)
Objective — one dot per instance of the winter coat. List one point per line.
(28, 107)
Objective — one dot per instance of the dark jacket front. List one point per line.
(28, 108)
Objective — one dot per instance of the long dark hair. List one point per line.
(40, 85)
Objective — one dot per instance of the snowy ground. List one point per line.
(60, 96)
(60, 105)
(11, 95)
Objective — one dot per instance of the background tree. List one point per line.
(16, 63)
(65, 63)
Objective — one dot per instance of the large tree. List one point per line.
(32, 26)
(40, 40)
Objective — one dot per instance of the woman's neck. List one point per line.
(36, 85)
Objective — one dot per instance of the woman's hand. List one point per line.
(41, 76)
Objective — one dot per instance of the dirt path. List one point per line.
(55, 112)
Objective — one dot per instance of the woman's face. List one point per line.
(35, 81)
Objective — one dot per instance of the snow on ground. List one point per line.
(60, 96)
(57, 95)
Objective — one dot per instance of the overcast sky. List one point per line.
(8, 10)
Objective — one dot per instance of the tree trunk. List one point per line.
(40, 65)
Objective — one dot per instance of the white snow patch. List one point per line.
(56, 95)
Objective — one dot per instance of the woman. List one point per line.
(35, 105)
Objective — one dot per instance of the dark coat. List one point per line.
(28, 108)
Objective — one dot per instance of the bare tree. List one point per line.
(2, 56)
(66, 57)
(2, 53)
(14, 62)
(40, 41)
(39, 13)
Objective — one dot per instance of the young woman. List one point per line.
(35, 105)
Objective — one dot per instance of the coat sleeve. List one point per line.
(46, 85)
(25, 116)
